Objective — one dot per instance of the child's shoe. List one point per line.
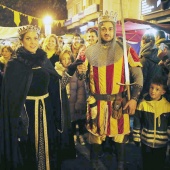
(75, 139)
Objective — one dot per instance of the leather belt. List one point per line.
(106, 97)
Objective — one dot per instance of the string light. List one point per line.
(32, 17)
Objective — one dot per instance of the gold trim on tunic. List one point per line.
(37, 99)
(36, 68)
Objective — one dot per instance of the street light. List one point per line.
(47, 22)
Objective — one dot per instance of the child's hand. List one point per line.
(82, 68)
(81, 54)
(73, 66)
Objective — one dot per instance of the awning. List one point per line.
(135, 29)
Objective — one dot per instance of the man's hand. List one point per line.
(131, 106)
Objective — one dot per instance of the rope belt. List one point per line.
(106, 97)
(37, 99)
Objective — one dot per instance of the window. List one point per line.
(70, 13)
(91, 2)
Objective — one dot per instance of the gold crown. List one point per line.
(107, 17)
(27, 28)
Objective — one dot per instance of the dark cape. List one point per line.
(15, 86)
(65, 138)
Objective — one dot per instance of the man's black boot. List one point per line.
(120, 155)
(94, 153)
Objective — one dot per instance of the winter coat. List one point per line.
(76, 91)
(149, 60)
(152, 122)
(77, 99)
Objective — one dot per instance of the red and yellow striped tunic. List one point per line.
(103, 80)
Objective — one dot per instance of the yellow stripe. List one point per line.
(136, 131)
(114, 125)
(46, 137)
(36, 126)
(156, 136)
(114, 129)
(152, 131)
(155, 106)
(117, 76)
(153, 142)
(126, 123)
(102, 79)
(131, 61)
(92, 86)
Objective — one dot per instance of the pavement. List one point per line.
(108, 160)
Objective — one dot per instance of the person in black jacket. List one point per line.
(6, 54)
(52, 47)
(149, 60)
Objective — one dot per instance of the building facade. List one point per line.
(83, 14)
(156, 11)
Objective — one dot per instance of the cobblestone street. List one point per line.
(108, 160)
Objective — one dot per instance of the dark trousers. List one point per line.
(118, 147)
(153, 158)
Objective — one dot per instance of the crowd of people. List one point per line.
(53, 93)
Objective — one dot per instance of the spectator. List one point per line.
(60, 41)
(91, 36)
(6, 53)
(75, 45)
(52, 47)
(149, 60)
(77, 98)
(152, 125)
(161, 38)
(108, 109)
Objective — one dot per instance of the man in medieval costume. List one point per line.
(108, 109)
